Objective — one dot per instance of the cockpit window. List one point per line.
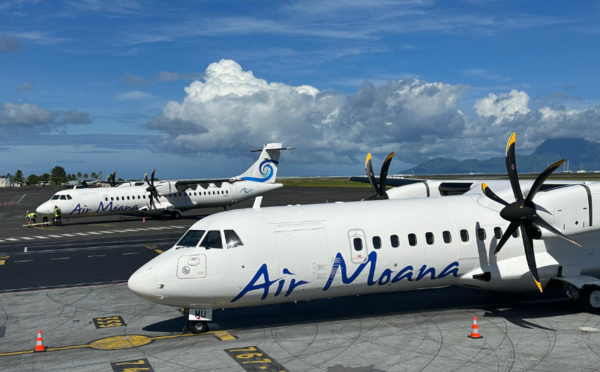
(69, 197)
(191, 238)
(55, 197)
(232, 239)
(212, 240)
(62, 197)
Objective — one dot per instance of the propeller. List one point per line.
(379, 189)
(112, 179)
(522, 213)
(151, 188)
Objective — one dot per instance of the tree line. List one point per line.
(57, 176)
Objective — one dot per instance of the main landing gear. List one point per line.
(583, 291)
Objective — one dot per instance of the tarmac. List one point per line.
(107, 328)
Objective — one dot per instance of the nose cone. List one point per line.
(44, 209)
(142, 282)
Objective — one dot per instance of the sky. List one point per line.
(191, 87)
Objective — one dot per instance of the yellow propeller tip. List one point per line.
(539, 286)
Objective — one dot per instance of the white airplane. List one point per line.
(169, 197)
(257, 256)
(405, 188)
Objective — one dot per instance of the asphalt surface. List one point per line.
(68, 283)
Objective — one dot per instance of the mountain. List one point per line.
(580, 154)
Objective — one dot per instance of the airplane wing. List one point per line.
(185, 184)
(391, 181)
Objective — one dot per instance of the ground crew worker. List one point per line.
(31, 217)
(57, 218)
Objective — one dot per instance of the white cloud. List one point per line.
(133, 95)
(26, 116)
(236, 111)
(504, 107)
(232, 111)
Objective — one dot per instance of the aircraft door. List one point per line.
(303, 250)
(358, 245)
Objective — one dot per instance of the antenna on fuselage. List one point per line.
(257, 202)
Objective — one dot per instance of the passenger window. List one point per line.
(412, 240)
(481, 234)
(111, 198)
(447, 237)
(429, 238)
(358, 244)
(232, 240)
(212, 240)
(191, 238)
(106, 199)
(117, 198)
(464, 235)
(395, 241)
(497, 232)
(376, 242)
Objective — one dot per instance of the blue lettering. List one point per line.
(386, 276)
(265, 285)
(404, 273)
(252, 286)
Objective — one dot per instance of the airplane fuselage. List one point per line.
(328, 250)
(135, 200)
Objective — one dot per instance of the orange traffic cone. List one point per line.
(475, 329)
(39, 344)
(144, 220)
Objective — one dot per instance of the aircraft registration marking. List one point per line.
(252, 358)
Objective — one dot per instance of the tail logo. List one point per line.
(266, 171)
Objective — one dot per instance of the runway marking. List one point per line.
(3, 259)
(70, 235)
(129, 253)
(109, 322)
(60, 258)
(252, 358)
(22, 261)
(96, 255)
(154, 248)
(132, 365)
(113, 343)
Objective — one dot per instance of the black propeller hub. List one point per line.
(517, 211)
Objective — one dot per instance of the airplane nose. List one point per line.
(142, 282)
(42, 209)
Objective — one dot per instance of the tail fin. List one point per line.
(265, 168)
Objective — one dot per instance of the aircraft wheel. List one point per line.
(45, 219)
(198, 327)
(176, 215)
(590, 298)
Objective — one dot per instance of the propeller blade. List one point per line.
(511, 168)
(540, 221)
(530, 256)
(370, 175)
(541, 178)
(492, 195)
(384, 173)
(507, 234)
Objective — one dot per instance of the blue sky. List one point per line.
(191, 87)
